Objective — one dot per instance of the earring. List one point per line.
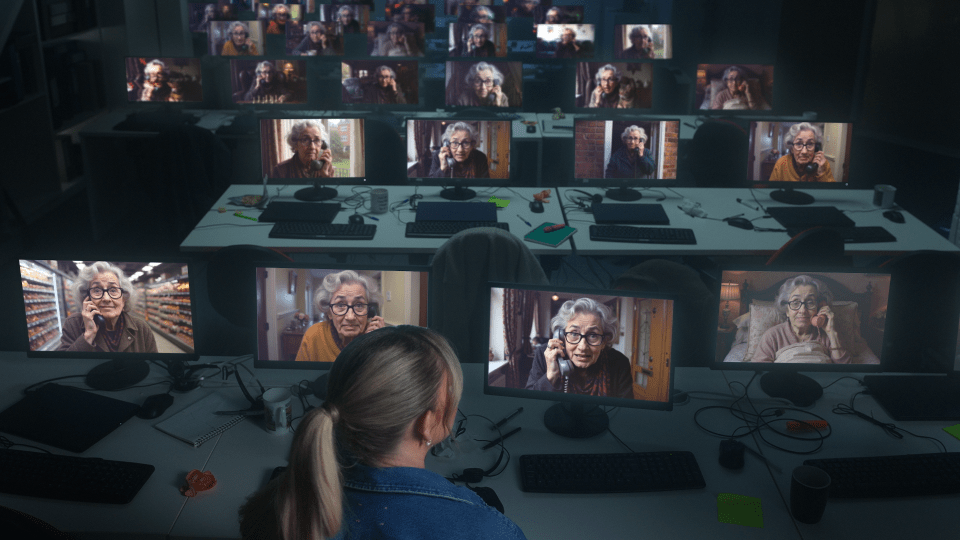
(429, 442)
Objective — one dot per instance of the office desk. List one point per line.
(243, 457)
(218, 230)
(718, 238)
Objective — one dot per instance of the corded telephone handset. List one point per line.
(373, 310)
(97, 318)
(820, 321)
(812, 167)
(562, 362)
(450, 160)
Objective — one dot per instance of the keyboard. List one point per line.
(71, 478)
(312, 230)
(446, 229)
(855, 235)
(644, 235)
(610, 473)
(892, 476)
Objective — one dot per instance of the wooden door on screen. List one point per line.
(650, 364)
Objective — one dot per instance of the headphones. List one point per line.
(594, 198)
(182, 374)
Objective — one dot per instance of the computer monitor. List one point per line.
(643, 41)
(413, 13)
(297, 328)
(150, 319)
(545, 14)
(787, 155)
(610, 87)
(483, 14)
(349, 18)
(392, 38)
(268, 82)
(380, 83)
(201, 14)
(277, 16)
(782, 321)
(608, 153)
(736, 88)
(314, 38)
(164, 80)
(477, 40)
(484, 83)
(618, 347)
(321, 150)
(235, 38)
(457, 152)
(565, 41)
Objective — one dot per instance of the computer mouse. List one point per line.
(536, 207)
(894, 216)
(731, 454)
(356, 219)
(489, 496)
(154, 406)
(740, 222)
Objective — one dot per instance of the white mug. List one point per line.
(278, 409)
(883, 195)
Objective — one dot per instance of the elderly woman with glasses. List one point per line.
(578, 359)
(105, 323)
(239, 42)
(278, 25)
(312, 157)
(483, 88)
(458, 156)
(633, 159)
(809, 333)
(478, 43)
(737, 94)
(607, 93)
(805, 162)
(641, 44)
(316, 42)
(347, 299)
(396, 41)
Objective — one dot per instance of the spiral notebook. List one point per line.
(199, 422)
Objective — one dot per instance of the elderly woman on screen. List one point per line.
(312, 157)
(345, 298)
(809, 335)
(483, 88)
(633, 159)
(458, 156)
(396, 41)
(607, 93)
(806, 161)
(239, 42)
(316, 42)
(478, 43)
(582, 332)
(105, 323)
(357, 463)
(641, 44)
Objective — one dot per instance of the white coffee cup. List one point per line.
(883, 196)
(278, 408)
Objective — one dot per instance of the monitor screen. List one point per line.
(478, 40)
(452, 151)
(278, 16)
(734, 87)
(626, 153)
(565, 41)
(126, 311)
(390, 38)
(484, 84)
(201, 14)
(545, 14)
(348, 18)
(268, 82)
(314, 38)
(380, 82)
(312, 148)
(306, 315)
(614, 85)
(164, 80)
(799, 152)
(235, 38)
(643, 41)
(412, 13)
(589, 348)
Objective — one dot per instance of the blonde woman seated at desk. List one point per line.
(345, 298)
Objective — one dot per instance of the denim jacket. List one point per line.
(411, 503)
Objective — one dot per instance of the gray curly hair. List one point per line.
(297, 130)
(571, 308)
(783, 295)
(481, 27)
(626, 133)
(472, 74)
(81, 284)
(608, 67)
(332, 283)
(635, 31)
(803, 126)
(459, 126)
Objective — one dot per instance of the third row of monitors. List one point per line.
(469, 83)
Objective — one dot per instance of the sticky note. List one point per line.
(953, 430)
(501, 203)
(739, 510)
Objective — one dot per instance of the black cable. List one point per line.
(27, 389)
(7, 443)
(889, 428)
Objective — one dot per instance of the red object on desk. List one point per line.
(551, 228)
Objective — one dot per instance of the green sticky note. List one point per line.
(739, 510)
(953, 430)
(501, 203)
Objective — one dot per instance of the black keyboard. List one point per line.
(311, 230)
(446, 229)
(892, 476)
(610, 473)
(645, 235)
(855, 235)
(71, 478)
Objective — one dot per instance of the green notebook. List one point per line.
(553, 238)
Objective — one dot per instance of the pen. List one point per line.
(505, 420)
(371, 217)
(745, 204)
(525, 221)
(499, 440)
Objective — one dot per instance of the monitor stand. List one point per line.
(623, 194)
(576, 420)
(791, 196)
(801, 390)
(117, 374)
(316, 193)
(458, 193)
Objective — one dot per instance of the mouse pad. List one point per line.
(65, 417)
(805, 217)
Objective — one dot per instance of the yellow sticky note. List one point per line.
(739, 510)
(953, 430)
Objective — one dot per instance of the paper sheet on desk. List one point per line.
(199, 423)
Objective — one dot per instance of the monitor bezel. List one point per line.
(695, 106)
(760, 184)
(331, 181)
(577, 398)
(613, 183)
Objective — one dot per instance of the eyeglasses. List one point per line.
(459, 144)
(240, 33)
(97, 292)
(733, 79)
(800, 145)
(341, 309)
(484, 82)
(313, 32)
(607, 80)
(574, 337)
(643, 37)
(636, 139)
(307, 141)
(385, 77)
(795, 304)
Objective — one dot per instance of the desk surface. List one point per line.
(716, 237)
(218, 230)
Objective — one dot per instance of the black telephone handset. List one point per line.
(450, 160)
(98, 318)
(562, 362)
(373, 310)
(812, 167)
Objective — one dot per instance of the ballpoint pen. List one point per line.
(499, 440)
(525, 221)
(739, 200)
(506, 419)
